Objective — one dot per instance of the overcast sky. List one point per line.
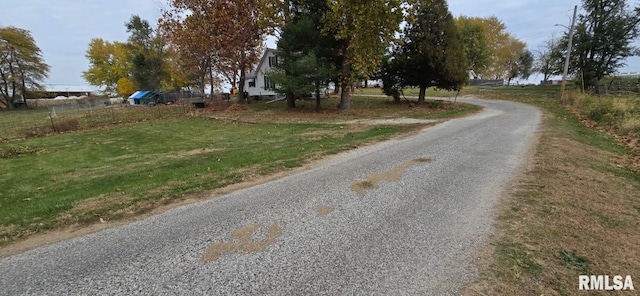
(63, 28)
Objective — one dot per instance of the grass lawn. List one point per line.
(575, 211)
(431, 92)
(123, 170)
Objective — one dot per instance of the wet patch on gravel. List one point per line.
(394, 175)
(323, 211)
(243, 243)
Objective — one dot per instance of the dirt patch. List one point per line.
(236, 107)
(394, 175)
(193, 152)
(243, 243)
(391, 121)
(322, 134)
(323, 211)
(83, 212)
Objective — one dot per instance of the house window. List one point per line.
(252, 83)
(273, 61)
(268, 84)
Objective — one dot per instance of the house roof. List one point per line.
(264, 57)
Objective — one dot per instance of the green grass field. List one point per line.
(119, 171)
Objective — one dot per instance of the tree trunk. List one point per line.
(318, 105)
(291, 101)
(211, 82)
(243, 66)
(345, 99)
(396, 96)
(241, 98)
(12, 98)
(24, 91)
(421, 95)
(203, 85)
(4, 92)
(345, 80)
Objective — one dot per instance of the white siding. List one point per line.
(263, 67)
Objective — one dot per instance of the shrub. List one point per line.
(631, 125)
(621, 113)
(38, 131)
(68, 125)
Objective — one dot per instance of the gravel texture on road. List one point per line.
(422, 209)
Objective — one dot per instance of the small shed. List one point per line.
(146, 97)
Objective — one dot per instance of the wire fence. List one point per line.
(618, 88)
(45, 117)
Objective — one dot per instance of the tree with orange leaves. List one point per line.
(217, 37)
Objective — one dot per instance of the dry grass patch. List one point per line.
(322, 134)
(574, 212)
(92, 209)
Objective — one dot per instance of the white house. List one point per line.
(256, 84)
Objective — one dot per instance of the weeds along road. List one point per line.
(401, 217)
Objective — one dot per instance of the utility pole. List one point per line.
(566, 61)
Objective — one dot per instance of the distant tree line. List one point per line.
(407, 43)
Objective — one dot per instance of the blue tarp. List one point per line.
(144, 97)
(139, 94)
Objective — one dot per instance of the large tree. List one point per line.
(431, 53)
(506, 54)
(365, 28)
(603, 38)
(225, 35)
(139, 63)
(22, 67)
(549, 60)
(308, 55)
(192, 43)
(147, 53)
(476, 46)
(108, 63)
(522, 67)
(491, 51)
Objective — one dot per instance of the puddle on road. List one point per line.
(393, 175)
(243, 243)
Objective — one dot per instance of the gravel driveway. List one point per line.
(404, 217)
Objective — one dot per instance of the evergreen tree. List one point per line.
(147, 54)
(306, 57)
(431, 53)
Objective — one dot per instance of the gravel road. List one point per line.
(404, 217)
